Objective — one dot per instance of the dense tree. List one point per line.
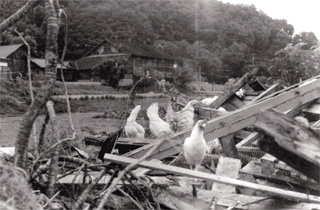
(224, 40)
(305, 37)
(293, 63)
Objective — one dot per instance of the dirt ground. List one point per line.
(82, 117)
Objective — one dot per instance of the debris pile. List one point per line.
(259, 156)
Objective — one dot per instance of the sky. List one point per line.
(304, 15)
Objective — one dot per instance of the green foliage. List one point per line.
(306, 37)
(293, 63)
(31, 26)
(224, 40)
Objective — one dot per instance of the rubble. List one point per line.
(266, 160)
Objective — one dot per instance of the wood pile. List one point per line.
(267, 160)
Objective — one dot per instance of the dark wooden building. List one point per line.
(13, 61)
(140, 56)
(38, 68)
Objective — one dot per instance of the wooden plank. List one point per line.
(250, 139)
(236, 120)
(220, 179)
(248, 191)
(233, 89)
(247, 202)
(233, 103)
(135, 141)
(227, 167)
(290, 134)
(304, 166)
(264, 93)
(257, 136)
(78, 178)
(288, 175)
(228, 146)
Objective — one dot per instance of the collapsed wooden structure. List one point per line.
(274, 164)
(295, 148)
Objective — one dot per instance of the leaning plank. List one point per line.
(257, 136)
(250, 139)
(228, 146)
(264, 93)
(233, 89)
(236, 120)
(290, 134)
(225, 180)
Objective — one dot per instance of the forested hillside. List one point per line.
(223, 40)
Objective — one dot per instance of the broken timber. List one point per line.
(290, 134)
(283, 100)
(220, 179)
(234, 88)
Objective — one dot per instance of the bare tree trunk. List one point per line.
(19, 14)
(50, 77)
(53, 168)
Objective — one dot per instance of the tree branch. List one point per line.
(19, 14)
(43, 96)
(128, 168)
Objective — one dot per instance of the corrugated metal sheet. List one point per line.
(7, 50)
(42, 63)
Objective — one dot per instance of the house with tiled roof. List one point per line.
(141, 57)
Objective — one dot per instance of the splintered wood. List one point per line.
(283, 100)
(272, 116)
(290, 134)
(266, 159)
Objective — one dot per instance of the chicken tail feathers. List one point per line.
(134, 114)
(152, 111)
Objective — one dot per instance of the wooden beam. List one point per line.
(233, 103)
(233, 89)
(250, 139)
(228, 146)
(247, 202)
(290, 134)
(306, 167)
(257, 136)
(236, 120)
(282, 173)
(220, 179)
(263, 94)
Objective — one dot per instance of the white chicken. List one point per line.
(158, 127)
(302, 120)
(183, 119)
(209, 101)
(132, 128)
(194, 147)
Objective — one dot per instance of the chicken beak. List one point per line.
(203, 124)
